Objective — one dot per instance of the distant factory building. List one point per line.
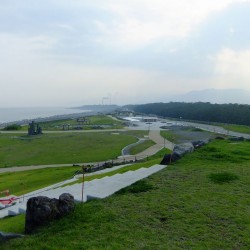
(149, 119)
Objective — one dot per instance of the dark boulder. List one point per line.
(66, 204)
(169, 158)
(219, 138)
(41, 210)
(179, 151)
(199, 143)
(184, 148)
(236, 139)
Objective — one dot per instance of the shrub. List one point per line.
(13, 127)
(223, 177)
(138, 187)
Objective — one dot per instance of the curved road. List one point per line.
(154, 134)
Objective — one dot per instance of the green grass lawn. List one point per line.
(180, 207)
(237, 128)
(17, 150)
(26, 181)
(94, 120)
(169, 135)
(122, 170)
(23, 182)
(103, 119)
(136, 133)
(141, 147)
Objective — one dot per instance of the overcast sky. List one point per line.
(75, 52)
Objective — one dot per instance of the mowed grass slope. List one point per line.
(141, 147)
(60, 148)
(19, 183)
(26, 181)
(180, 207)
(237, 128)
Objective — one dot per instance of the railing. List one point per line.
(126, 159)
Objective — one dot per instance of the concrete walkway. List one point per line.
(154, 135)
(160, 143)
(97, 188)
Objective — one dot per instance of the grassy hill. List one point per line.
(22, 150)
(200, 202)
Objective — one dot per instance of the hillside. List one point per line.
(219, 96)
(193, 204)
(199, 111)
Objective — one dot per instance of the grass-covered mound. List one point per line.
(20, 150)
(177, 208)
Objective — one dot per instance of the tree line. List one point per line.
(199, 111)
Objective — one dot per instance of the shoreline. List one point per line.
(49, 118)
(77, 112)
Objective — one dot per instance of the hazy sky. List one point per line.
(74, 52)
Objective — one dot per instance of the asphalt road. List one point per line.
(211, 128)
(154, 134)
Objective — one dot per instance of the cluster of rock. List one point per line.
(41, 210)
(236, 138)
(107, 164)
(181, 149)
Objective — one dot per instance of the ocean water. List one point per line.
(18, 114)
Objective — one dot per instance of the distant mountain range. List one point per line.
(219, 96)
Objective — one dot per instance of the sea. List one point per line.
(8, 115)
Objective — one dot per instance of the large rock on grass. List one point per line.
(236, 139)
(169, 158)
(41, 210)
(199, 143)
(178, 152)
(184, 148)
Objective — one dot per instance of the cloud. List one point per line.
(137, 51)
(141, 22)
(45, 82)
(232, 63)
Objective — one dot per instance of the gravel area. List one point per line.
(187, 134)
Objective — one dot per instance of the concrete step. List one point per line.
(4, 213)
(98, 188)
(118, 182)
(17, 209)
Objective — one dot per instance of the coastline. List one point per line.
(23, 116)
(49, 118)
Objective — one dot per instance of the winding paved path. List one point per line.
(160, 143)
(154, 135)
